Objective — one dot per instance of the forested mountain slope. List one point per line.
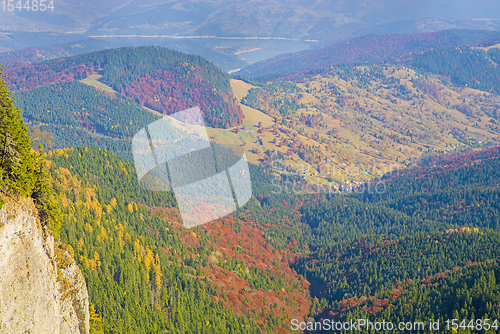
(131, 245)
(164, 80)
(465, 66)
(370, 48)
(146, 273)
(103, 98)
(380, 255)
(76, 114)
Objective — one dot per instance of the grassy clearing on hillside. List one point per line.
(240, 88)
(485, 49)
(93, 80)
(247, 135)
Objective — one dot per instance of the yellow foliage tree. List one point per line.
(71, 250)
(80, 244)
(158, 272)
(97, 259)
(137, 250)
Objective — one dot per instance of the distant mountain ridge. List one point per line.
(221, 30)
(299, 19)
(37, 53)
(371, 48)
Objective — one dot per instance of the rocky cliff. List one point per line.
(41, 288)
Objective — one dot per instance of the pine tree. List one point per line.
(22, 169)
(45, 197)
(17, 160)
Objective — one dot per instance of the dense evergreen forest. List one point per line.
(464, 65)
(384, 258)
(76, 114)
(462, 300)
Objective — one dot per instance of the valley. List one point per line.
(355, 117)
(424, 126)
(338, 126)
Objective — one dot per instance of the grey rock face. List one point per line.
(42, 290)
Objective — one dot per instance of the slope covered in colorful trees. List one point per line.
(282, 254)
(164, 80)
(146, 273)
